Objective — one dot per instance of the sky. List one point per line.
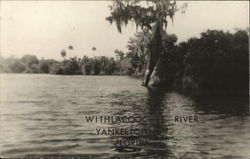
(44, 28)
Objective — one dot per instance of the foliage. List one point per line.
(96, 66)
(12, 65)
(110, 67)
(216, 61)
(63, 53)
(33, 69)
(46, 65)
(170, 60)
(70, 67)
(150, 16)
(137, 46)
(119, 54)
(143, 13)
(70, 47)
(57, 69)
(26, 64)
(93, 48)
(29, 60)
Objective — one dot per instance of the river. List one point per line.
(44, 115)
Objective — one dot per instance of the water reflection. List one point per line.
(36, 119)
(237, 105)
(222, 119)
(155, 106)
(154, 143)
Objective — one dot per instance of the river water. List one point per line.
(44, 115)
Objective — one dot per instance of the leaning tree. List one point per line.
(149, 15)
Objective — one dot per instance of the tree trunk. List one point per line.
(155, 49)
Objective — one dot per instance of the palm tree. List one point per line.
(70, 47)
(63, 54)
(93, 49)
(151, 17)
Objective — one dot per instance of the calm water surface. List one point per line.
(44, 115)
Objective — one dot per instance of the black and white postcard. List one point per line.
(124, 79)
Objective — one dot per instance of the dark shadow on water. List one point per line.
(220, 103)
(156, 142)
(156, 104)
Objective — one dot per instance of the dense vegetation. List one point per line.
(72, 66)
(216, 60)
(152, 17)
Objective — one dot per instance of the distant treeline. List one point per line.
(100, 65)
(216, 60)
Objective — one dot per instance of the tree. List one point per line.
(96, 66)
(34, 68)
(14, 65)
(119, 54)
(46, 65)
(93, 48)
(152, 17)
(70, 48)
(217, 62)
(29, 60)
(170, 62)
(63, 54)
(71, 67)
(110, 67)
(86, 67)
(136, 46)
